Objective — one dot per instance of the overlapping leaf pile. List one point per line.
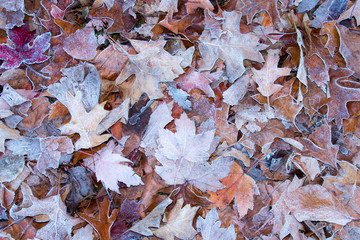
(176, 119)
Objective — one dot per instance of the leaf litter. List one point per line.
(145, 119)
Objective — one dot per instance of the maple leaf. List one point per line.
(108, 168)
(60, 224)
(185, 143)
(179, 223)
(210, 227)
(315, 203)
(104, 220)
(268, 74)
(22, 51)
(231, 46)
(151, 66)
(238, 185)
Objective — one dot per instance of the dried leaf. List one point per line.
(269, 73)
(232, 46)
(151, 66)
(82, 44)
(179, 223)
(60, 224)
(315, 203)
(23, 52)
(104, 220)
(152, 219)
(238, 186)
(10, 167)
(7, 133)
(210, 227)
(109, 168)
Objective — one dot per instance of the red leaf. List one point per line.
(23, 52)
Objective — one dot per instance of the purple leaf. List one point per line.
(23, 52)
(128, 213)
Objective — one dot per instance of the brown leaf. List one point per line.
(179, 222)
(102, 224)
(238, 186)
(269, 73)
(350, 49)
(315, 203)
(319, 145)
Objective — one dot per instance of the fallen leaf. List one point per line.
(269, 73)
(152, 219)
(83, 122)
(104, 220)
(348, 177)
(82, 186)
(319, 145)
(59, 224)
(238, 186)
(195, 4)
(23, 52)
(315, 203)
(210, 227)
(109, 169)
(81, 44)
(194, 79)
(232, 47)
(179, 223)
(127, 214)
(7, 133)
(11, 166)
(151, 66)
(185, 144)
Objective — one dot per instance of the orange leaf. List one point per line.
(238, 185)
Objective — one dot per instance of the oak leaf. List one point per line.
(342, 90)
(179, 223)
(238, 186)
(59, 224)
(232, 46)
(23, 52)
(104, 220)
(267, 75)
(83, 122)
(319, 145)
